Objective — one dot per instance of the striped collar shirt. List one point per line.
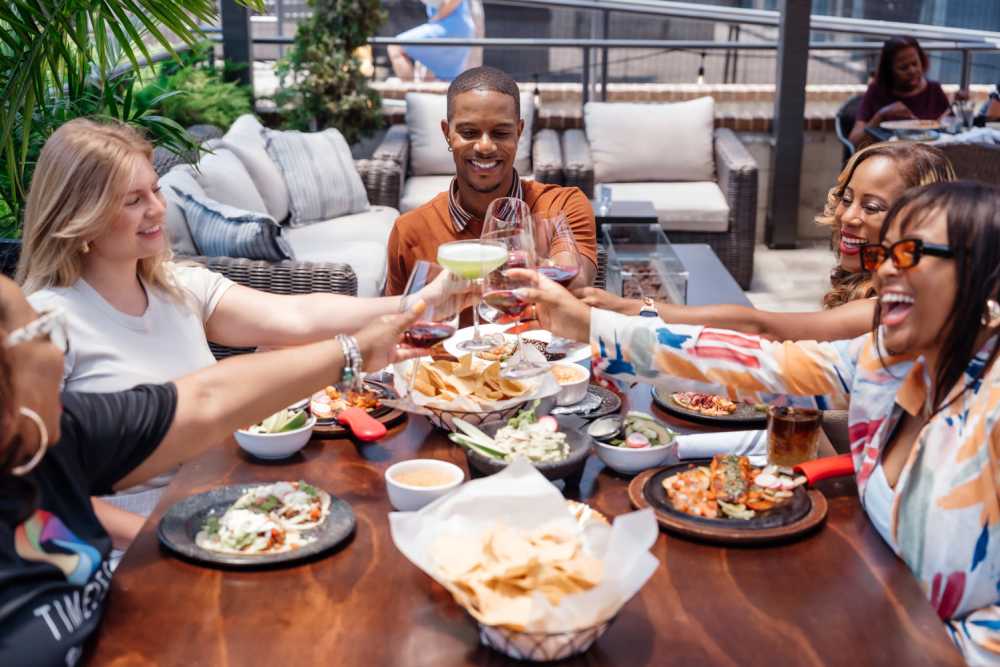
(460, 217)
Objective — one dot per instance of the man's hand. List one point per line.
(598, 298)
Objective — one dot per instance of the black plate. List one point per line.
(579, 449)
(745, 417)
(182, 522)
(782, 515)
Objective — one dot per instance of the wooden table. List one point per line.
(837, 597)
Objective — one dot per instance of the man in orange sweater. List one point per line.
(482, 129)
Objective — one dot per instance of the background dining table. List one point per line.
(837, 596)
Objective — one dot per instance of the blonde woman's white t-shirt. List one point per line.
(111, 351)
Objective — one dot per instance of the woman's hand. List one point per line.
(558, 310)
(378, 341)
(449, 293)
(598, 298)
(895, 111)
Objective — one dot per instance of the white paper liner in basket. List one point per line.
(522, 498)
(441, 412)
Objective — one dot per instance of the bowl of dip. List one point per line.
(415, 483)
(573, 380)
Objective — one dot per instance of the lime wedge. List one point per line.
(298, 420)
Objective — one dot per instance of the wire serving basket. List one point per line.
(541, 646)
(444, 419)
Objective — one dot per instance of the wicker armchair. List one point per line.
(978, 162)
(546, 155)
(736, 173)
(287, 277)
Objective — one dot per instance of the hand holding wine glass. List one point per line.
(558, 257)
(444, 294)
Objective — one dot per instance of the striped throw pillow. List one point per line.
(319, 171)
(220, 230)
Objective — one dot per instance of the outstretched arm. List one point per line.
(841, 323)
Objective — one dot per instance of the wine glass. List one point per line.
(472, 260)
(558, 259)
(509, 223)
(443, 295)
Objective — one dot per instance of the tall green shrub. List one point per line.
(325, 86)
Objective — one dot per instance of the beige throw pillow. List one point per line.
(651, 142)
(223, 177)
(245, 138)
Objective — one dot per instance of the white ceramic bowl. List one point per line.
(572, 392)
(275, 445)
(632, 461)
(406, 497)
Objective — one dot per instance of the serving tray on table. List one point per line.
(746, 416)
(802, 514)
(331, 428)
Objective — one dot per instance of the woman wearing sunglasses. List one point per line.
(58, 450)
(856, 206)
(922, 391)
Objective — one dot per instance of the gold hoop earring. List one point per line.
(43, 443)
(992, 315)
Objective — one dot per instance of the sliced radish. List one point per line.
(636, 441)
(548, 423)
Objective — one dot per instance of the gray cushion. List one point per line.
(220, 230)
(179, 179)
(651, 142)
(245, 138)
(223, 177)
(319, 172)
(681, 207)
(418, 190)
(358, 240)
(429, 154)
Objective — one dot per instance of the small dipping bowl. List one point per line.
(407, 495)
(573, 380)
(274, 446)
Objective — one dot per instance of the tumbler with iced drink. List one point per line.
(792, 435)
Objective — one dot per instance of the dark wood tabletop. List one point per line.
(836, 597)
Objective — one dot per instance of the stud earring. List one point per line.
(450, 149)
(85, 247)
(992, 315)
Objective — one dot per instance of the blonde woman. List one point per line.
(872, 180)
(95, 246)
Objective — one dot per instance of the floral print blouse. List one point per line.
(946, 512)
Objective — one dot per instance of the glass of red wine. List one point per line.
(442, 292)
(559, 259)
(511, 225)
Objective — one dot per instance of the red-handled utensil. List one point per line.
(362, 425)
(826, 467)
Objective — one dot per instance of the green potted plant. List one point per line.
(328, 87)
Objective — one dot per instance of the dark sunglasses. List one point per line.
(905, 253)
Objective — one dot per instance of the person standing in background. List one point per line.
(445, 18)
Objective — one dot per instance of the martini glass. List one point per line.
(473, 260)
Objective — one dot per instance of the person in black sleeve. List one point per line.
(58, 451)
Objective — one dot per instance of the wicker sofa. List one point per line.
(734, 172)
(425, 165)
(348, 252)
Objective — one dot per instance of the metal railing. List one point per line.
(588, 46)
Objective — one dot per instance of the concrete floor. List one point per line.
(791, 280)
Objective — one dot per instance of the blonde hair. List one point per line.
(917, 164)
(78, 188)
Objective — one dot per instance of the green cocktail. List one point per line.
(473, 260)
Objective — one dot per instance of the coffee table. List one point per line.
(625, 212)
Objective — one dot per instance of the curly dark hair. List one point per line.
(484, 78)
(21, 496)
(918, 164)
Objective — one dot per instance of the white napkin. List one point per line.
(522, 498)
(707, 445)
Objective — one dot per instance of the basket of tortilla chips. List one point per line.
(541, 582)
(471, 389)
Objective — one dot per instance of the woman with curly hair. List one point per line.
(873, 179)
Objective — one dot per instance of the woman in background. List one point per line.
(445, 18)
(901, 89)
